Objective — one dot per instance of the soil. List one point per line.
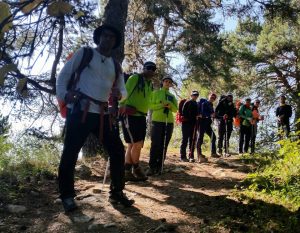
(187, 197)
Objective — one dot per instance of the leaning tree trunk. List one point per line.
(115, 14)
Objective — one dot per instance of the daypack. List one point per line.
(179, 114)
(86, 58)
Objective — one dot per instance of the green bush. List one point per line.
(279, 179)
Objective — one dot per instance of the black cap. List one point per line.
(100, 29)
(195, 93)
(149, 64)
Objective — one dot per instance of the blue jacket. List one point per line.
(205, 108)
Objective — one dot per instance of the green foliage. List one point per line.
(29, 157)
(279, 179)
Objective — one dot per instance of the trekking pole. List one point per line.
(226, 139)
(193, 138)
(165, 142)
(105, 174)
(126, 122)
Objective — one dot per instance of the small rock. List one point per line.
(57, 201)
(96, 190)
(16, 208)
(82, 196)
(83, 171)
(108, 225)
(178, 170)
(95, 226)
(63, 218)
(89, 200)
(88, 187)
(82, 219)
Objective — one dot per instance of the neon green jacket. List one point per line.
(158, 99)
(138, 94)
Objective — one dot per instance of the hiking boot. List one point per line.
(184, 160)
(139, 174)
(215, 155)
(192, 160)
(120, 198)
(69, 204)
(129, 176)
(152, 172)
(220, 152)
(202, 159)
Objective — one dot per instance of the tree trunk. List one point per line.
(115, 14)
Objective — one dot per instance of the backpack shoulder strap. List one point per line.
(85, 60)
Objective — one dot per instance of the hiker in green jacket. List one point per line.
(163, 104)
(134, 111)
(245, 114)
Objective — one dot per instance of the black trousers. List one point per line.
(75, 136)
(160, 137)
(187, 129)
(205, 127)
(223, 139)
(285, 127)
(245, 136)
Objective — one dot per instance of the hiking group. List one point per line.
(91, 90)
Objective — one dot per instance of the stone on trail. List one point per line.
(83, 171)
(82, 219)
(178, 170)
(108, 225)
(16, 208)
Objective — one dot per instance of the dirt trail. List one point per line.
(188, 197)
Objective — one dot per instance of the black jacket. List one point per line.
(190, 110)
(225, 107)
(285, 112)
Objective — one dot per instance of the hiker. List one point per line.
(163, 104)
(256, 117)
(225, 111)
(206, 115)
(134, 111)
(283, 114)
(88, 113)
(245, 114)
(188, 127)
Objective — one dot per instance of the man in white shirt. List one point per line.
(88, 113)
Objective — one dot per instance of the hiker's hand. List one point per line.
(115, 93)
(199, 116)
(71, 97)
(261, 118)
(213, 115)
(225, 117)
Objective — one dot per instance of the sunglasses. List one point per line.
(153, 68)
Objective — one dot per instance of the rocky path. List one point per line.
(187, 197)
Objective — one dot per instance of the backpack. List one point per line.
(86, 59)
(179, 115)
(200, 104)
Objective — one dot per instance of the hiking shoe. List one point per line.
(184, 160)
(215, 155)
(202, 159)
(120, 198)
(220, 152)
(139, 174)
(69, 204)
(192, 160)
(129, 176)
(227, 155)
(152, 171)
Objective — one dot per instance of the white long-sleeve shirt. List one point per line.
(96, 79)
